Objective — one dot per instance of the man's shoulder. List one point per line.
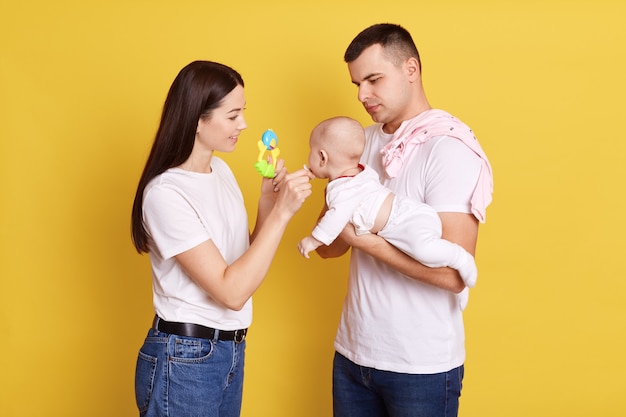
(451, 147)
(375, 129)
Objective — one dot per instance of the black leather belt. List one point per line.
(196, 330)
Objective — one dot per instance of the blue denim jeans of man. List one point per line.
(366, 392)
(178, 376)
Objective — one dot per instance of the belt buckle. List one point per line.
(240, 336)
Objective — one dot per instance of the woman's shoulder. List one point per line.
(220, 166)
(173, 181)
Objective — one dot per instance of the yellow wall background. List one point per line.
(81, 89)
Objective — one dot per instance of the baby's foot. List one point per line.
(463, 298)
(467, 269)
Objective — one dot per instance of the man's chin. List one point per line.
(377, 118)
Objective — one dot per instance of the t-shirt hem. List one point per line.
(400, 368)
(448, 208)
(189, 244)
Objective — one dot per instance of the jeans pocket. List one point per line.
(144, 380)
(192, 350)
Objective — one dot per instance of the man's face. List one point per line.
(383, 86)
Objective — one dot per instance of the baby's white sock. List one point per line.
(465, 264)
(463, 298)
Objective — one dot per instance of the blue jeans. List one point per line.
(366, 392)
(179, 376)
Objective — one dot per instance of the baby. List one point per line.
(354, 194)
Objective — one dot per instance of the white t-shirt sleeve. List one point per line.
(452, 176)
(171, 221)
(342, 201)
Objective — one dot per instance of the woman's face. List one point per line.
(221, 130)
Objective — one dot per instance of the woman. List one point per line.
(189, 215)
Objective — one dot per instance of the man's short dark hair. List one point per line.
(395, 40)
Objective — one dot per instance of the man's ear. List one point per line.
(412, 67)
(323, 157)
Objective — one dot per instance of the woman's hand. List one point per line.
(293, 189)
(285, 192)
(270, 187)
(280, 174)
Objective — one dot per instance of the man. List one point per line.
(400, 343)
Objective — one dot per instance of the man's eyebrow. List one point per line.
(367, 77)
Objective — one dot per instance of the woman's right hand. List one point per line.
(294, 188)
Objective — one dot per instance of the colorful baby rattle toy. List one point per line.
(268, 142)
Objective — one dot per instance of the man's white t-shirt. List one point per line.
(182, 209)
(389, 321)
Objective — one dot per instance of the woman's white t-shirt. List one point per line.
(182, 209)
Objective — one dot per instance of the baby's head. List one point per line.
(336, 145)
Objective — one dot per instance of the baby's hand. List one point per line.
(302, 248)
(307, 245)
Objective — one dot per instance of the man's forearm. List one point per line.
(377, 247)
(334, 250)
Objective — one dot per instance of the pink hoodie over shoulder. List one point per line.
(429, 124)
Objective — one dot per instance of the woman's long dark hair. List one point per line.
(198, 89)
